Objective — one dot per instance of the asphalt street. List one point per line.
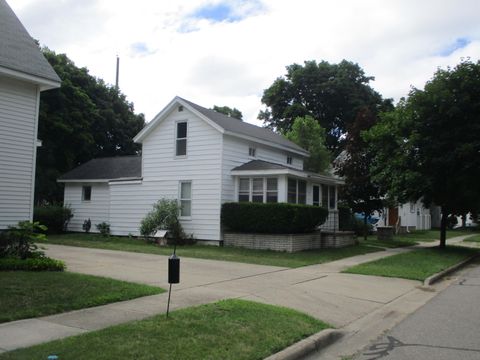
(446, 328)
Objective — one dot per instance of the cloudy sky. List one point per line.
(227, 52)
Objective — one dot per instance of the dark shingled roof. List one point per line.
(110, 168)
(18, 50)
(239, 127)
(262, 165)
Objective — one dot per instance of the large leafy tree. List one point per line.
(360, 192)
(232, 112)
(307, 133)
(330, 93)
(83, 119)
(429, 146)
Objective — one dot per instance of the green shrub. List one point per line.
(104, 228)
(272, 218)
(165, 216)
(31, 264)
(19, 241)
(54, 217)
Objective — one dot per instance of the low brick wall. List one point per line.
(289, 242)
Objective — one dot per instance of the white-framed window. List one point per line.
(316, 195)
(297, 191)
(180, 108)
(289, 160)
(181, 138)
(185, 197)
(412, 207)
(252, 152)
(86, 193)
(258, 189)
(332, 197)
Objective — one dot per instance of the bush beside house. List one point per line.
(54, 217)
(272, 218)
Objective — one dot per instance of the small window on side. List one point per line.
(289, 160)
(181, 139)
(185, 198)
(86, 193)
(180, 108)
(252, 152)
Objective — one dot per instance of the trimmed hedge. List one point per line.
(54, 217)
(31, 264)
(272, 218)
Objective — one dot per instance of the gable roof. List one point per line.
(226, 125)
(19, 53)
(105, 169)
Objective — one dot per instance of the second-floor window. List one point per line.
(252, 152)
(289, 160)
(181, 139)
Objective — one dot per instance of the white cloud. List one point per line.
(232, 62)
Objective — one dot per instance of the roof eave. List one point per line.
(43, 83)
(268, 143)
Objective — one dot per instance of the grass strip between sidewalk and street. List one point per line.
(33, 294)
(225, 253)
(415, 265)
(474, 239)
(229, 329)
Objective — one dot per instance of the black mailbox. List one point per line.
(173, 269)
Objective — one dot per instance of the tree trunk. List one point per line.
(365, 230)
(464, 220)
(443, 228)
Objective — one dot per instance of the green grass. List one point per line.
(415, 265)
(395, 243)
(33, 294)
(261, 257)
(230, 329)
(475, 239)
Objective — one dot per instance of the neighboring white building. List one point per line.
(203, 159)
(24, 73)
(410, 216)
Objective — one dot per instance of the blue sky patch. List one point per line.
(460, 43)
(140, 48)
(227, 10)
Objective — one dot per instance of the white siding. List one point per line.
(162, 172)
(18, 132)
(235, 153)
(97, 209)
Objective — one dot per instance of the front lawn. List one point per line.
(415, 265)
(230, 329)
(474, 239)
(33, 294)
(260, 257)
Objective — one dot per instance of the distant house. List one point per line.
(24, 73)
(410, 216)
(203, 159)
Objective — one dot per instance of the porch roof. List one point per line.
(264, 168)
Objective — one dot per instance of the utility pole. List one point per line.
(118, 68)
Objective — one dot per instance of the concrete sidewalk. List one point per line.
(319, 290)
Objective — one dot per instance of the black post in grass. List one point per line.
(173, 272)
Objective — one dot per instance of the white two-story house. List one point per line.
(24, 73)
(203, 159)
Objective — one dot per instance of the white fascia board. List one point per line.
(268, 143)
(292, 172)
(124, 182)
(84, 181)
(43, 84)
(164, 113)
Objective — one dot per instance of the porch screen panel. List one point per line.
(325, 196)
(244, 190)
(257, 190)
(302, 192)
(292, 191)
(272, 190)
(316, 195)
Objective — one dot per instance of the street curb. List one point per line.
(435, 277)
(306, 346)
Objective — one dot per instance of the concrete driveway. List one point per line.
(318, 290)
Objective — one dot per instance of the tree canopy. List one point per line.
(307, 133)
(234, 113)
(360, 192)
(330, 93)
(83, 119)
(429, 146)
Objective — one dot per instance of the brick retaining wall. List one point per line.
(290, 242)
